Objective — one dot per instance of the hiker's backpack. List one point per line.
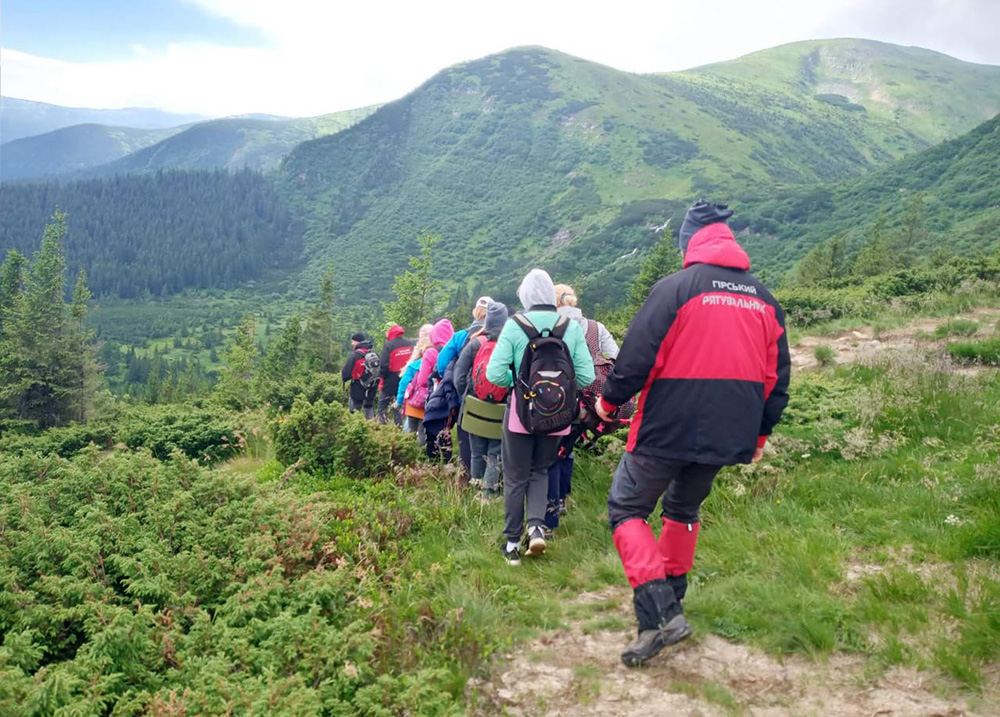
(546, 382)
(482, 387)
(370, 366)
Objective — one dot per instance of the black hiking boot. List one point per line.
(661, 622)
(650, 642)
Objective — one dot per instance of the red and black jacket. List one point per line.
(708, 355)
(395, 355)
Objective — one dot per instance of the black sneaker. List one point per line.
(650, 642)
(512, 555)
(536, 542)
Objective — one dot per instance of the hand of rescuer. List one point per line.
(599, 408)
(759, 453)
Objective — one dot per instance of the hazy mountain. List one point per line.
(232, 143)
(72, 149)
(24, 118)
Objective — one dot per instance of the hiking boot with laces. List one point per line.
(536, 541)
(649, 643)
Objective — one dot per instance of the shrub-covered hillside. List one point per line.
(954, 187)
(532, 155)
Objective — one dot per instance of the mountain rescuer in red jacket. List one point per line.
(708, 356)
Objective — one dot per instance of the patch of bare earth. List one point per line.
(862, 343)
(577, 671)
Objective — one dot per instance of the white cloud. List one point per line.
(323, 56)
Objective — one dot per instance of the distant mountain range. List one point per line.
(24, 118)
(533, 157)
(89, 150)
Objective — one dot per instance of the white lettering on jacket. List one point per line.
(734, 301)
(730, 286)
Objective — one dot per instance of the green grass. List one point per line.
(956, 327)
(842, 541)
(986, 352)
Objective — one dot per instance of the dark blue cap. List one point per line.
(700, 215)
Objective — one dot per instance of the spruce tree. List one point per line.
(234, 389)
(38, 377)
(318, 350)
(827, 260)
(878, 255)
(664, 259)
(86, 371)
(416, 288)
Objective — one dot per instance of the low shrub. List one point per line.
(956, 327)
(130, 585)
(986, 352)
(328, 439)
(825, 355)
(205, 435)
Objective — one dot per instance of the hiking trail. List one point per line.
(576, 670)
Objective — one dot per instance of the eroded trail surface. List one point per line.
(859, 344)
(576, 671)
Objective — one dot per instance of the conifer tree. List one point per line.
(83, 355)
(827, 260)
(281, 358)
(318, 351)
(38, 380)
(416, 288)
(234, 389)
(664, 259)
(877, 256)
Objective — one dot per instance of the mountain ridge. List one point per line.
(533, 155)
(26, 118)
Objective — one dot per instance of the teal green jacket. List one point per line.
(513, 341)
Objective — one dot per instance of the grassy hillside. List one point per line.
(24, 118)
(535, 156)
(958, 182)
(234, 143)
(72, 149)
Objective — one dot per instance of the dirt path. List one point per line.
(858, 344)
(577, 671)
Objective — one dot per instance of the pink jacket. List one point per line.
(418, 396)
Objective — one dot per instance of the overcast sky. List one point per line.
(307, 57)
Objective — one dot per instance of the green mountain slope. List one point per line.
(25, 118)
(234, 143)
(535, 156)
(72, 149)
(959, 182)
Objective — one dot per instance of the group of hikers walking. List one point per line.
(701, 380)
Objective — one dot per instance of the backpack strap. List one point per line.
(529, 328)
(559, 330)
